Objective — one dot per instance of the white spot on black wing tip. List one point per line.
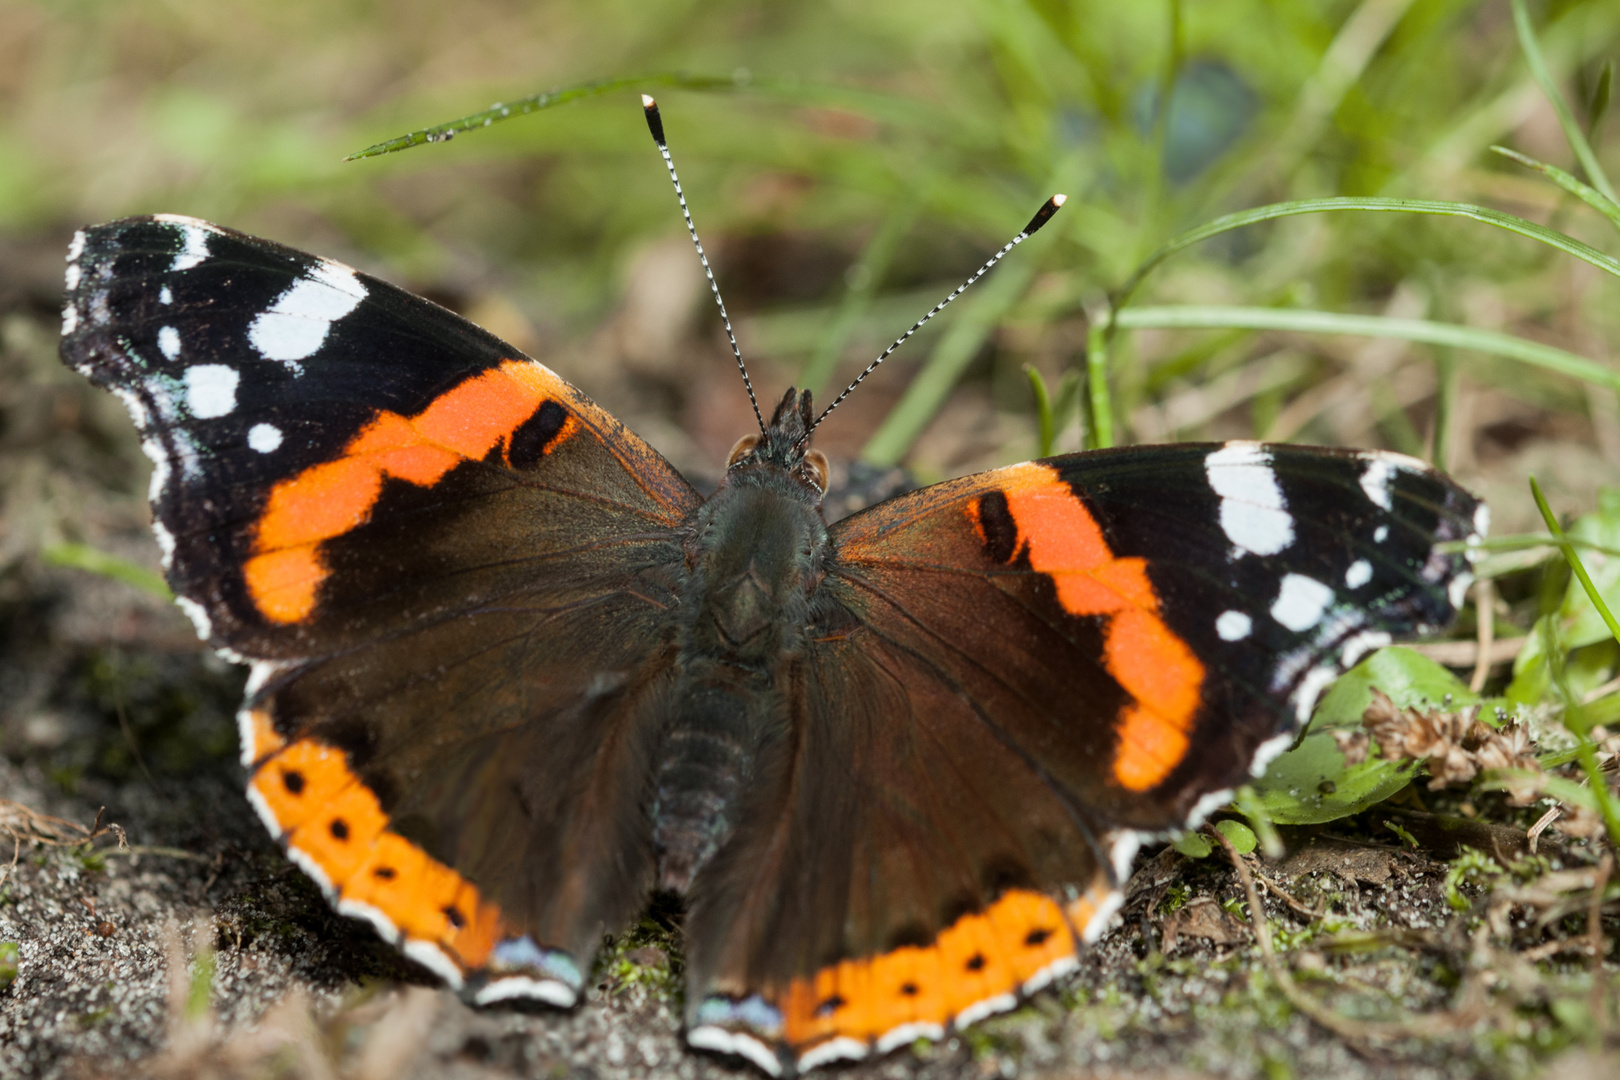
(297, 323)
(76, 247)
(211, 390)
(193, 236)
(1301, 602)
(265, 438)
(70, 319)
(70, 279)
(168, 341)
(1375, 480)
(1233, 625)
(1254, 514)
(165, 295)
(1359, 573)
(1380, 534)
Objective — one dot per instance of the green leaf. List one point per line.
(1410, 679)
(8, 963)
(1194, 845)
(1238, 835)
(1312, 783)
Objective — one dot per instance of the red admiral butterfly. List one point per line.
(511, 673)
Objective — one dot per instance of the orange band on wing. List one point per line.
(983, 959)
(466, 422)
(334, 825)
(1062, 540)
(1157, 669)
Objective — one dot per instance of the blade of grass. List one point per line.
(85, 557)
(1244, 218)
(1600, 99)
(1586, 752)
(1566, 118)
(1043, 410)
(1584, 192)
(506, 110)
(1193, 316)
(1100, 418)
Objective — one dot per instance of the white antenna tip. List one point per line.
(1059, 200)
(647, 102)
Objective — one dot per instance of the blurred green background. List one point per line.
(864, 159)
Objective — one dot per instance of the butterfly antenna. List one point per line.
(655, 124)
(1042, 216)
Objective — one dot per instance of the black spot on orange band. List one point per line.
(982, 956)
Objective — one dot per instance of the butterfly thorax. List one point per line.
(755, 554)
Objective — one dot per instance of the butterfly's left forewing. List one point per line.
(1020, 674)
(449, 569)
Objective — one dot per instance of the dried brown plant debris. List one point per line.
(22, 824)
(1456, 745)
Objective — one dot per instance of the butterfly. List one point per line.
(512, 674)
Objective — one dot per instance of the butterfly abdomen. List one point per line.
(753, 553)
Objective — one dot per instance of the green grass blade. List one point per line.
(506, 110)
(1043, 410)
(1600, 98)
(1424, 331)
(1100, 421)
(85, 557)
(1588, 194)
(1567, 244)
(1574, 560)
(1566, 118)
(1586, 752)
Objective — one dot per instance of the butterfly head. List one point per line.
(784, 445)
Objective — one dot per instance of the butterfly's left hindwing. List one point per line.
(448, 567)
(1030, 669)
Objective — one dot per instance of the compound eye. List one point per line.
(815, 468)
(743, 447)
